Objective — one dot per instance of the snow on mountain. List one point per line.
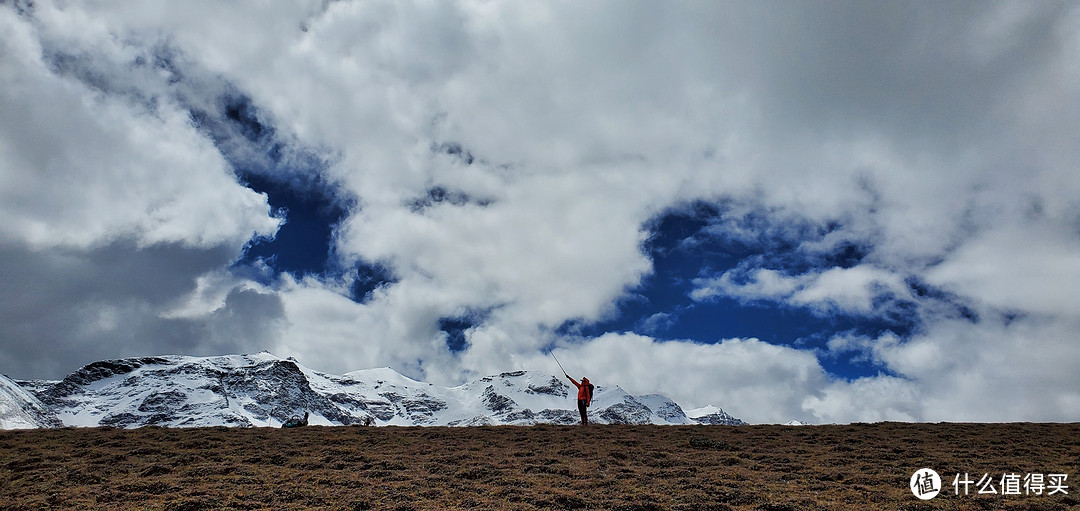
(19, 409)
(264, 390)
(234, 390)
(795, 422)
(713, 415)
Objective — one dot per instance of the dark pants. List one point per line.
(581, 407)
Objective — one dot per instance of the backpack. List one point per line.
(589, 387)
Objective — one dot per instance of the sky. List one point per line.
(823, 211)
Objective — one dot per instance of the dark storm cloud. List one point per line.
(66, 308)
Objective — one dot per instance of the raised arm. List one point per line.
(576, 384)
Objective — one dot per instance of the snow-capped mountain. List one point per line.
(264, 390)
(713, 415)
(19, 409)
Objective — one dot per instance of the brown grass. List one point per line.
(863, 466)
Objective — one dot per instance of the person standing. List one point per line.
(584, 397)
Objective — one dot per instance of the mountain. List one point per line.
(19, 409)
(713, 415)
(264, 390)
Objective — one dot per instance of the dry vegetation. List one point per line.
(863, 466)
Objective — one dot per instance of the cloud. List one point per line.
(66, 307)
(870, 399)
(1000, 268)
(959, 371)
(939, 143)
(85, 167)
(113, 202)
(658, 322)
(833, 291)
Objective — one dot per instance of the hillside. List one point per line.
(861, 466)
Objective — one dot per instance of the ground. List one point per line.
(859, 466)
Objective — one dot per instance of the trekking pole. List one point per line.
(552, 353)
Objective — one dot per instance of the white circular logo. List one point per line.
(925, 484)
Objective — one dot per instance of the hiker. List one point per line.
(584, 397)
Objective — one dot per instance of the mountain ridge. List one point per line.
(265, 390)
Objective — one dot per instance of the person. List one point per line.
(584, 397)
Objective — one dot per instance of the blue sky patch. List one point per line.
(691, 242)
(303, 244)
(370, 277)
(456, 327)
(292, 179)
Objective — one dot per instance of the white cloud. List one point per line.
(657, 322)
(1022, 266)
(85, 168)
(763, 284)
(844, 290)
(1018, 370)
(868, 399)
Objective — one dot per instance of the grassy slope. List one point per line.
(549, 467)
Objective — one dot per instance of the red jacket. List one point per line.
(584, 389)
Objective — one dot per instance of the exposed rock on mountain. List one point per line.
(19, 409)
